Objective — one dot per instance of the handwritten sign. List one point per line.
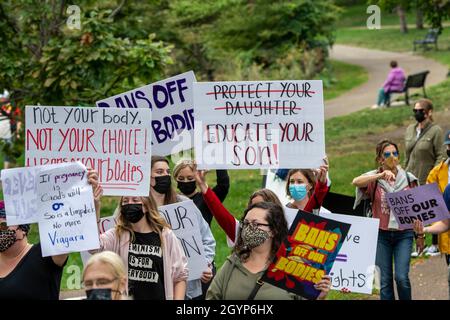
(105, 224)
(424, 203)
(20, 194)
(171, 102)
(307, 254)
(355, 264)
(251, 125)
(115, 142)
(183, 217)
(68, 221)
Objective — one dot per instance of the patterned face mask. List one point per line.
(252, 236)
(7, 239)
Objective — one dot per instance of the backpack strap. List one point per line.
(255, 290)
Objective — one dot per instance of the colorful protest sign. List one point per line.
(171, 102)
(68, 220)
(105, 224)
(307, 254)
(354, 266)
(183, 218)
(251, 125)
(115, 142)
(424, 203)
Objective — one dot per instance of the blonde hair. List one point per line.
(186, 163)
(152, 216)
(113, 260)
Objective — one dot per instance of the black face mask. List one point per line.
(163, 184)
(187, 188)
(99, 294)
(448, 153)
(420, 116)
(132, 212)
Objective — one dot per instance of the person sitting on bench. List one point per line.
(394, 82)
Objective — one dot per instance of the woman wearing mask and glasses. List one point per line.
(393, 244)
(263, 228)
(162, 191)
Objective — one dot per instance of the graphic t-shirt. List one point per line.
(145, 267)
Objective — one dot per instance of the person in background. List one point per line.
(264, 228)
(105, 277)
(424, 144)
(394, 245)
(10, 126)
(395, 82)
(162, 191)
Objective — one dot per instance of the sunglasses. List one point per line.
(418, 110)
(387, 154)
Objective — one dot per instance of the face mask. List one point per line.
(448, 153)
(7, 239)
(298, 191)
(99, 294)
(187, 188)
(391, 162)
(420, 116)
(163, 184)
(253, 237)
(132, 212)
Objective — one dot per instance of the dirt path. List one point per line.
(429, 279)
(376, 62)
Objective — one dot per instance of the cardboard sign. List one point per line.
(267, 124)
(183, 218)
(354, 267)
(424, 203)
(66, 202)
(115, 142)
(171, 103)
(307, 254)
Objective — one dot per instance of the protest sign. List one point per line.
(115, 142)
(65, 199)
(307, 254)
(251, 125)
(171, 102)
(354, 267)
(424, 203)
(105, 224)
(183, 218)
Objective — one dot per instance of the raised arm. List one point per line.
(223, 184)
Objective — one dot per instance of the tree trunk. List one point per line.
(402, 15)
(419, 19)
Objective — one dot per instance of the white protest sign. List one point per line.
(354, 266)
(183, 218)
(20, 194)
(171, 102)
(251, 125)
(105, 224)
(115, 142)
(66, 202)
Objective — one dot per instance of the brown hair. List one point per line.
(394, 64)
(380, 147)
(152, 216)
(267, 195)
(427, 105)
(310, 176)
(278, 225)
(171, 195)
(184, 164)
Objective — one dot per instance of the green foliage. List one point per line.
(435, 12)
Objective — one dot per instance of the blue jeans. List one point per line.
(394, 245)
(383, 97)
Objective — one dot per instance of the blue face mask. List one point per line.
(298, 191)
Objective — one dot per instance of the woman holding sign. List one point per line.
(162, 191)
(264, 228)
(393, 243)
(155, 262)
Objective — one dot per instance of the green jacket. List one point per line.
(234, 282)
(427, 153)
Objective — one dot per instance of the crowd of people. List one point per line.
(142, 259)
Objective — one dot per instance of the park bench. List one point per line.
(430, 38)
(416, 80)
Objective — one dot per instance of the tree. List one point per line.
(401, 7)
(435, 11)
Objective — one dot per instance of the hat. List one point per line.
(447, 137)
